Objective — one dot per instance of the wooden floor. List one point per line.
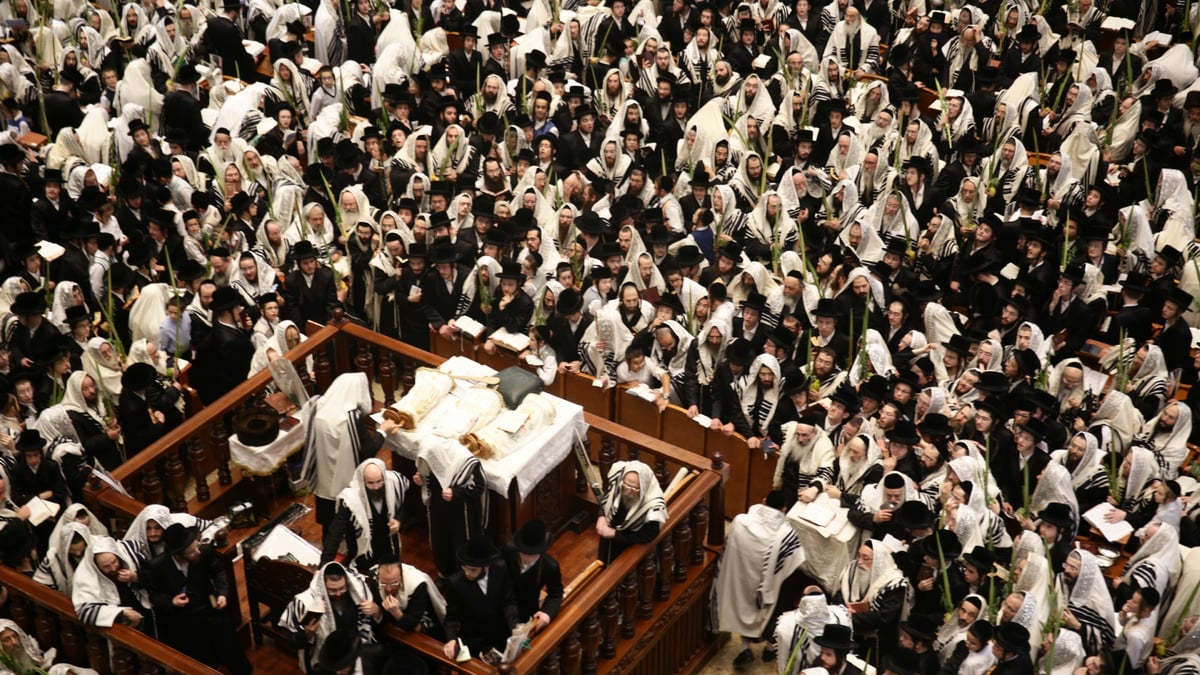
(573, 551)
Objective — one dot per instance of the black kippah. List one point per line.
(893, 481)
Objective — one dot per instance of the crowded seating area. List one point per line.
(606, 336)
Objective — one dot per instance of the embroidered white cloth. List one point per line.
(264, 460)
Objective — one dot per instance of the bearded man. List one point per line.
(632, 511)
(368, 515)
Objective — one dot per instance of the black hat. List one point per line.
(511, 269)
(317, 175)
(671, 301)
(1057, 513)
(951, 547)
(795, 382)
(29, 303)
(688, 255)
(992, 382)
(875, 388)
(1073, 273)
(16, 542)
(30, 441)
(904, 432)
(339, 651)
(896, 245)
(755, 301)
(11, 153)
(532, 538)
(187, 74)
(406, 203)
(477, 552)
(740, 352)
(138, 125)
(303, 250)
(914, 515)
(1192, 100)
(1028, 33)
(922, 626)
(468, 30)
(731, 250)
(1012, 637)
(226, 298)
(1180, 298)
(139, 375)
(1164, 88)
(510, 25)
(782, 337)
(846, 395)
(189, 270)
(418, 250)
(1019, 303)
(394, 91)
(120, 276)
(443, 251)
(958, 344)
(1170, 254)
(836, 637)
(178, 537)
(920, 163)
(570, 301)
(980, 558)
(92, 199)
(987, 75)
(1135, 283)
(936, 425)
(439, 219)
(590, 222)
(827, 307)
(496, 39)
(535, 58)
(77, 313)
(1029, 196)
(1067, 56)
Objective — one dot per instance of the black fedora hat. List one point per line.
(921, 626)
(1058, 514)
(755, 301)
(304, 250)
(178, 537)
(589, 222)
(16, 542)
(76, 314)
(951, 547)
(740, 352)
(570, 301)
(1136, 283)
(837, 637)
(29, 303)
(688, 255)
(189, 270)
(731, 250)
(958, 344)
(671, 301)
(914, 515)
(992, 382)
(511, 269)
(1034, 427)
(846, 395)
(443, 251)
(339, 651)
(903, 661)
(905, 433)
(1029, 33)
(981, 559)
(120, 276)
(91, 199)
(187, 74)
(477, 552)
(30, 441)
(532, 538)
(827, 307)
(876, 387)
(936, 425)
(1012, 637)
(226, 298)
(1180, 298)
(138, 376)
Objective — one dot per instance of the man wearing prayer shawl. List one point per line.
(875, 591)
(336, 424)
(456, 494)
(761, 552)
(1089, 607)
(632, 510)
(25, 653)
(337, 599)
(106, 590)
(799, 628)
(805, 460)
(368, 516)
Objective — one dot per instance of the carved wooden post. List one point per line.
(387, 377)
(609, 615)
(608, 455)
(699, 518)
(572, 652)
(661, 473)
(646, 577)
(683, 544)
(591, 643)
(364, 361)
(321, 371)
(124, 661)
(198, 458)
(550, 666)
(45, 626)
(22, 612)
(220, 444)
(628, 596)
(716, 504)
(666, 565)
(408, 373)
(633, 453)
(97, 653)
(176, 481)
(74, 644)
(152, 486)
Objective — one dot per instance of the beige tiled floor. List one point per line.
(722, 662)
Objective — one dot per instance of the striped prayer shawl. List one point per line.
(1096, 632)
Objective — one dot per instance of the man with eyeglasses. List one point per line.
(632, 511)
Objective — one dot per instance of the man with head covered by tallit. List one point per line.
(336, 423)
(369, 511)
(106, 591)
(875, 591)
(632, 511)
(457, 496)
(337, 599)
(761, 551)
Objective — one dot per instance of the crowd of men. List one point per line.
(937, 262)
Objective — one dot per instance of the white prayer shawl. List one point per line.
(883, 576)
(651, 506)
(329, 34)
(316, 598)
(1157, 562)
(355, 498)
(809, 457)
(761, 551)
(55, 569)
(29, 644)
(1170, 449)
(866, 45)
(872, 495)
(770, 396)
(798, 628)
(1090, 592)
(951, 633)
(331, 446)
(96, 598)
(106, 371)
(451, 463)
(1120, 420)
(1088, 465)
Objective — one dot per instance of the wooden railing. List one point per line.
(49, 616)
(644, 612)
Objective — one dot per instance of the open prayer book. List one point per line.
(284, 544)
(1112, 531)
(41, 510)
(469, 326)
(515, 342)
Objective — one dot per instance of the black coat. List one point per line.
(222, 361)
(545, 573)
(223, 38)
(306, 303)
(135, 414)
(181, 115)
(94, 439)
(26, 484)
(73, 265)
(439, 303)
(49, 221)
(61, 111)
(481, 621)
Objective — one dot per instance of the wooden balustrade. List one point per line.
(644, 612)
(49, 616)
